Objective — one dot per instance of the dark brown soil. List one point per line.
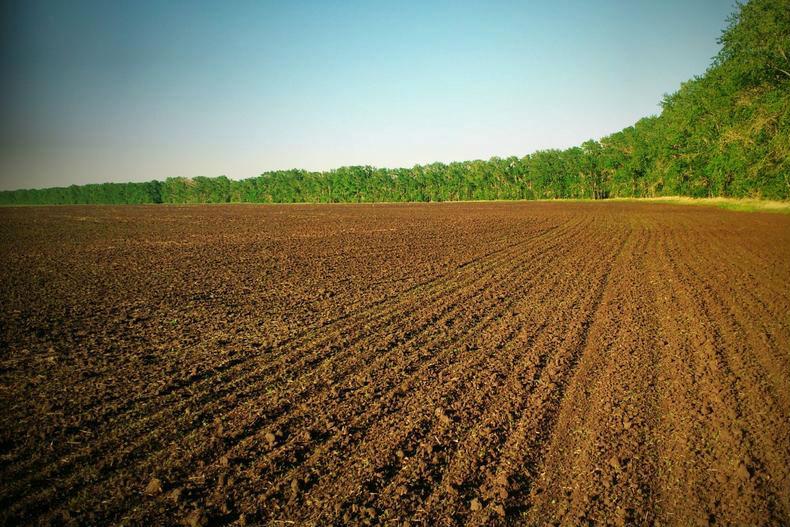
(527, 363)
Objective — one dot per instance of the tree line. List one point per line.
(725, 133)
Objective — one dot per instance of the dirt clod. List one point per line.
(443, 417)
(154, 487)
(175, 495)
(196, 518)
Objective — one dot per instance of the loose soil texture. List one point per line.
(439, 364)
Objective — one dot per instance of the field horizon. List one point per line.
(731, 204)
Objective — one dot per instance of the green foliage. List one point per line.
(756, 44)
(109, 193)
(723, 134)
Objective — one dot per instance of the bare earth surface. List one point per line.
(444, 364)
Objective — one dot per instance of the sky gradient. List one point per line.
(134, 91)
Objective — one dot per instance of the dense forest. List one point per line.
(725, 133)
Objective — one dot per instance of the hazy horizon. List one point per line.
(97, 92)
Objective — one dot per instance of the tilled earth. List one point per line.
(446, 364)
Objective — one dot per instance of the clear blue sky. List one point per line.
(139, 90)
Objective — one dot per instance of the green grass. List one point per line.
(740, 204)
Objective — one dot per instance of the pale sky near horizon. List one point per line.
(98, 91)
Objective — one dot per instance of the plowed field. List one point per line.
(453, 364)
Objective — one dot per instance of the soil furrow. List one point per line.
(379, 404)
(602, 449)
(134, 455)
(229, 385)
(726, 480)
(434, 364)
